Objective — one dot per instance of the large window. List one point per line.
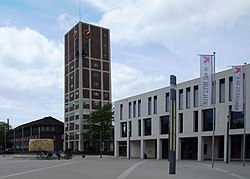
(237, 120)
(149, 105)
(195, 121)
(139, 108)
(196, 96)
(167, 102)
(134, 109)
(139, 127)
(121, 111)
(181, 99)
(222, 91)
(123, 129)
(147, 126)
(230, 88)
(164, 121)
(188, 98)
(208, 120)
(181, 123)
(129, 109)
(155, 104)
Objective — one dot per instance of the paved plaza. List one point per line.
(93, 167)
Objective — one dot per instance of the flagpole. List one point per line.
(244, 135)
(213, 93)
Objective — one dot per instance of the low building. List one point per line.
(147, 117)
(47, 127)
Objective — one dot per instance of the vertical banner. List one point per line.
(238, 88)
(206, 77)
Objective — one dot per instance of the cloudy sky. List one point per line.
(150, 40)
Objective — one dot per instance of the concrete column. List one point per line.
(178, 148)
(142, 148)
(159, 149)
(128, 148)
(116, 149)
(199, 151)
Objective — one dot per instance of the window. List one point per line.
(147, 126)
(121, 111)
(205, 149)
(139, 127)
(134, 109)
(196, 96)
(129, 109)
(123, 129)
(181, 99)
(149, 105)
(208, 119)
(53, 128)
(139, 108)
(47, 128)
(222, 91)
(181, 123)
(188, 98)
(237, 120)
(195, 121)
(164, 121)
(155, 104)
(230, 88)
(167, 102)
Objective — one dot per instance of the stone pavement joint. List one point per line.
(129, 170)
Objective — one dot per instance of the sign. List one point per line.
(238, 88)
(206, 72)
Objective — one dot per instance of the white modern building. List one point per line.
(147, 117)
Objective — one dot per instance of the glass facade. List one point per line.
(208, 119)
(147, 126)
(164, 122)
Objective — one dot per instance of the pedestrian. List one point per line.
(58, 154)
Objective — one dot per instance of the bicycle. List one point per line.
(45, 155)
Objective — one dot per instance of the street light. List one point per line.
(101, 143)
(5, 137)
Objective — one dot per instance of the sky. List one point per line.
(150, 40)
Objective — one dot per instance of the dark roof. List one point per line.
(44, 121)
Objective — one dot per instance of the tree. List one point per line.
(100, 124)
(3, 130)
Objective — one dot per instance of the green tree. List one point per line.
(3, 129)
(100, 124)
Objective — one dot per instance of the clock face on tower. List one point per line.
(86, 33)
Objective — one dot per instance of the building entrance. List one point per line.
(189, 148)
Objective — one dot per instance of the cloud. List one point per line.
(106, 5)
(31, 70)
(143, 22)
(127, 81)
(66, 21)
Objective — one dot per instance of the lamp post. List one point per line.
(101, 147)
(5, 140)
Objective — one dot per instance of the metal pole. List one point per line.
(172, 131)
(213, 110)
(22, 140)
(129, 141)
(244, 135)
(5, 138)
(100, 141)
(227, 155)
(14, 139)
